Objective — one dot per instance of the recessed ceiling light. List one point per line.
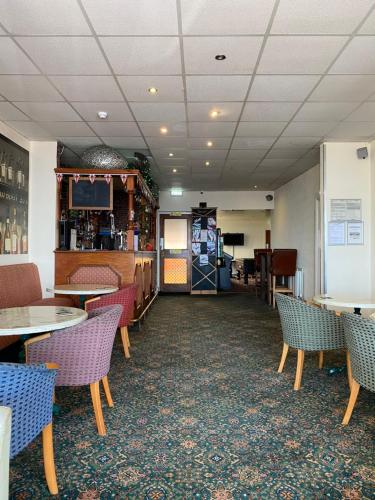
(153, 90)
(209, 144)
(215, 113)
(164, 130)
(207, 163)
(171, 154)
(174, 170)
(102, 115)
(220, 57)
(255, 187)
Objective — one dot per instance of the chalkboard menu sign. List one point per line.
(84, 195)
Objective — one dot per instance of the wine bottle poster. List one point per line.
(14, 197)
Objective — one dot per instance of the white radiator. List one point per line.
(298, 283)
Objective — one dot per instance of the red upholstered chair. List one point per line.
(125, 297)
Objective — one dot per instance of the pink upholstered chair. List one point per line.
(83, 353)
(126, 297)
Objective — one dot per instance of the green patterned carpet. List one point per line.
(200, 413)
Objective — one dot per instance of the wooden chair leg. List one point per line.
(300, 360)
(125, 340)
(107, 391)
(49, 461)
(273, 291)
(353, 398)
(349, 369)
(95, 396)
(283, 358)
(320, 360)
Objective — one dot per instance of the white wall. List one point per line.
(223, 200)
(253, 223)
(293, 222)
(348, 268)
(372, 158)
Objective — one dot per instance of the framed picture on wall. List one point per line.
(14, 197)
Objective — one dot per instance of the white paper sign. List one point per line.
(355, 233)
(336, 233)
(203, 260)
(346, 209)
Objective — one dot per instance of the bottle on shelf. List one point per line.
(24, 237)
(3, 168)
(14, 234)
(10, 172)
(19, 173)
(7, 237)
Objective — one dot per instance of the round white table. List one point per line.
(37, 319)
(82, 289)
(357, 305)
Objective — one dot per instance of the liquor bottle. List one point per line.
(3, 168)
(10, 172)
(24, 239)
(14, 233)
(19, 174)
(7, 237)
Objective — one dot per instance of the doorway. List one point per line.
(175, 253)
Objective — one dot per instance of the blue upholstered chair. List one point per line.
(28, 391)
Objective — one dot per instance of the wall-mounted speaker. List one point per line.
(269, 197)
(362, 153)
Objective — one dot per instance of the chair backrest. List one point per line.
(258, 252)
(125, 297)
(19, 285)
(28, 390)
(83, 352)
(284, 262)
(307, 327)
(100, 275)
(360, 341)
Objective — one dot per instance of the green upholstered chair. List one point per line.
(360, 342)
(307, 328)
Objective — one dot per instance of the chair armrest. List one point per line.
(32, 341)
(90, 301)
(52, 366)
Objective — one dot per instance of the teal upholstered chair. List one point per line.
(360, 341)
(307, 328)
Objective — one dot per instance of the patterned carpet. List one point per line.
(200, 413)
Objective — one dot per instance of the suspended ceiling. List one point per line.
(296, 73)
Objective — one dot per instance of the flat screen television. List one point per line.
(84, 195)
(234, 239)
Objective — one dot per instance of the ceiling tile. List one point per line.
(319, 16)
(241, 55)
(81, 143)
(49, 111)
(171, 162)
(201, 17)
(305, 129)
(207, 154)
(43, 17)
(166, 142)
(125, 142)
(65, 55)
(269, 111)
(152, 129)
(282, 87)
(210, 129)
(199, 165)
(115, 129)
(178, 153)
(159, 112)
(117, 111)
(170, 88)
(217, 88)
(10, 112)
(27, 88)
(242, 165)
(292, 154)
(365, 113)
(253, 142)
(200, 111)
(132, 17)
(324, 112)
(368, 27)
(144, 55)
(246, 154)
(260, 129)
(88, 88)
(13, 60)
(299, 54)
(353, 131)
(352, 88)
(276, 163)
(61, 129)
(297, 142)
(217, 143)
(30, 130)
(358, 57)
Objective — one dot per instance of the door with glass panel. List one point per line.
(175, 253)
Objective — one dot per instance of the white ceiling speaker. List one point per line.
(102, 115)
(362, 153)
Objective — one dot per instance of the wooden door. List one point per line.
(175, 253)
